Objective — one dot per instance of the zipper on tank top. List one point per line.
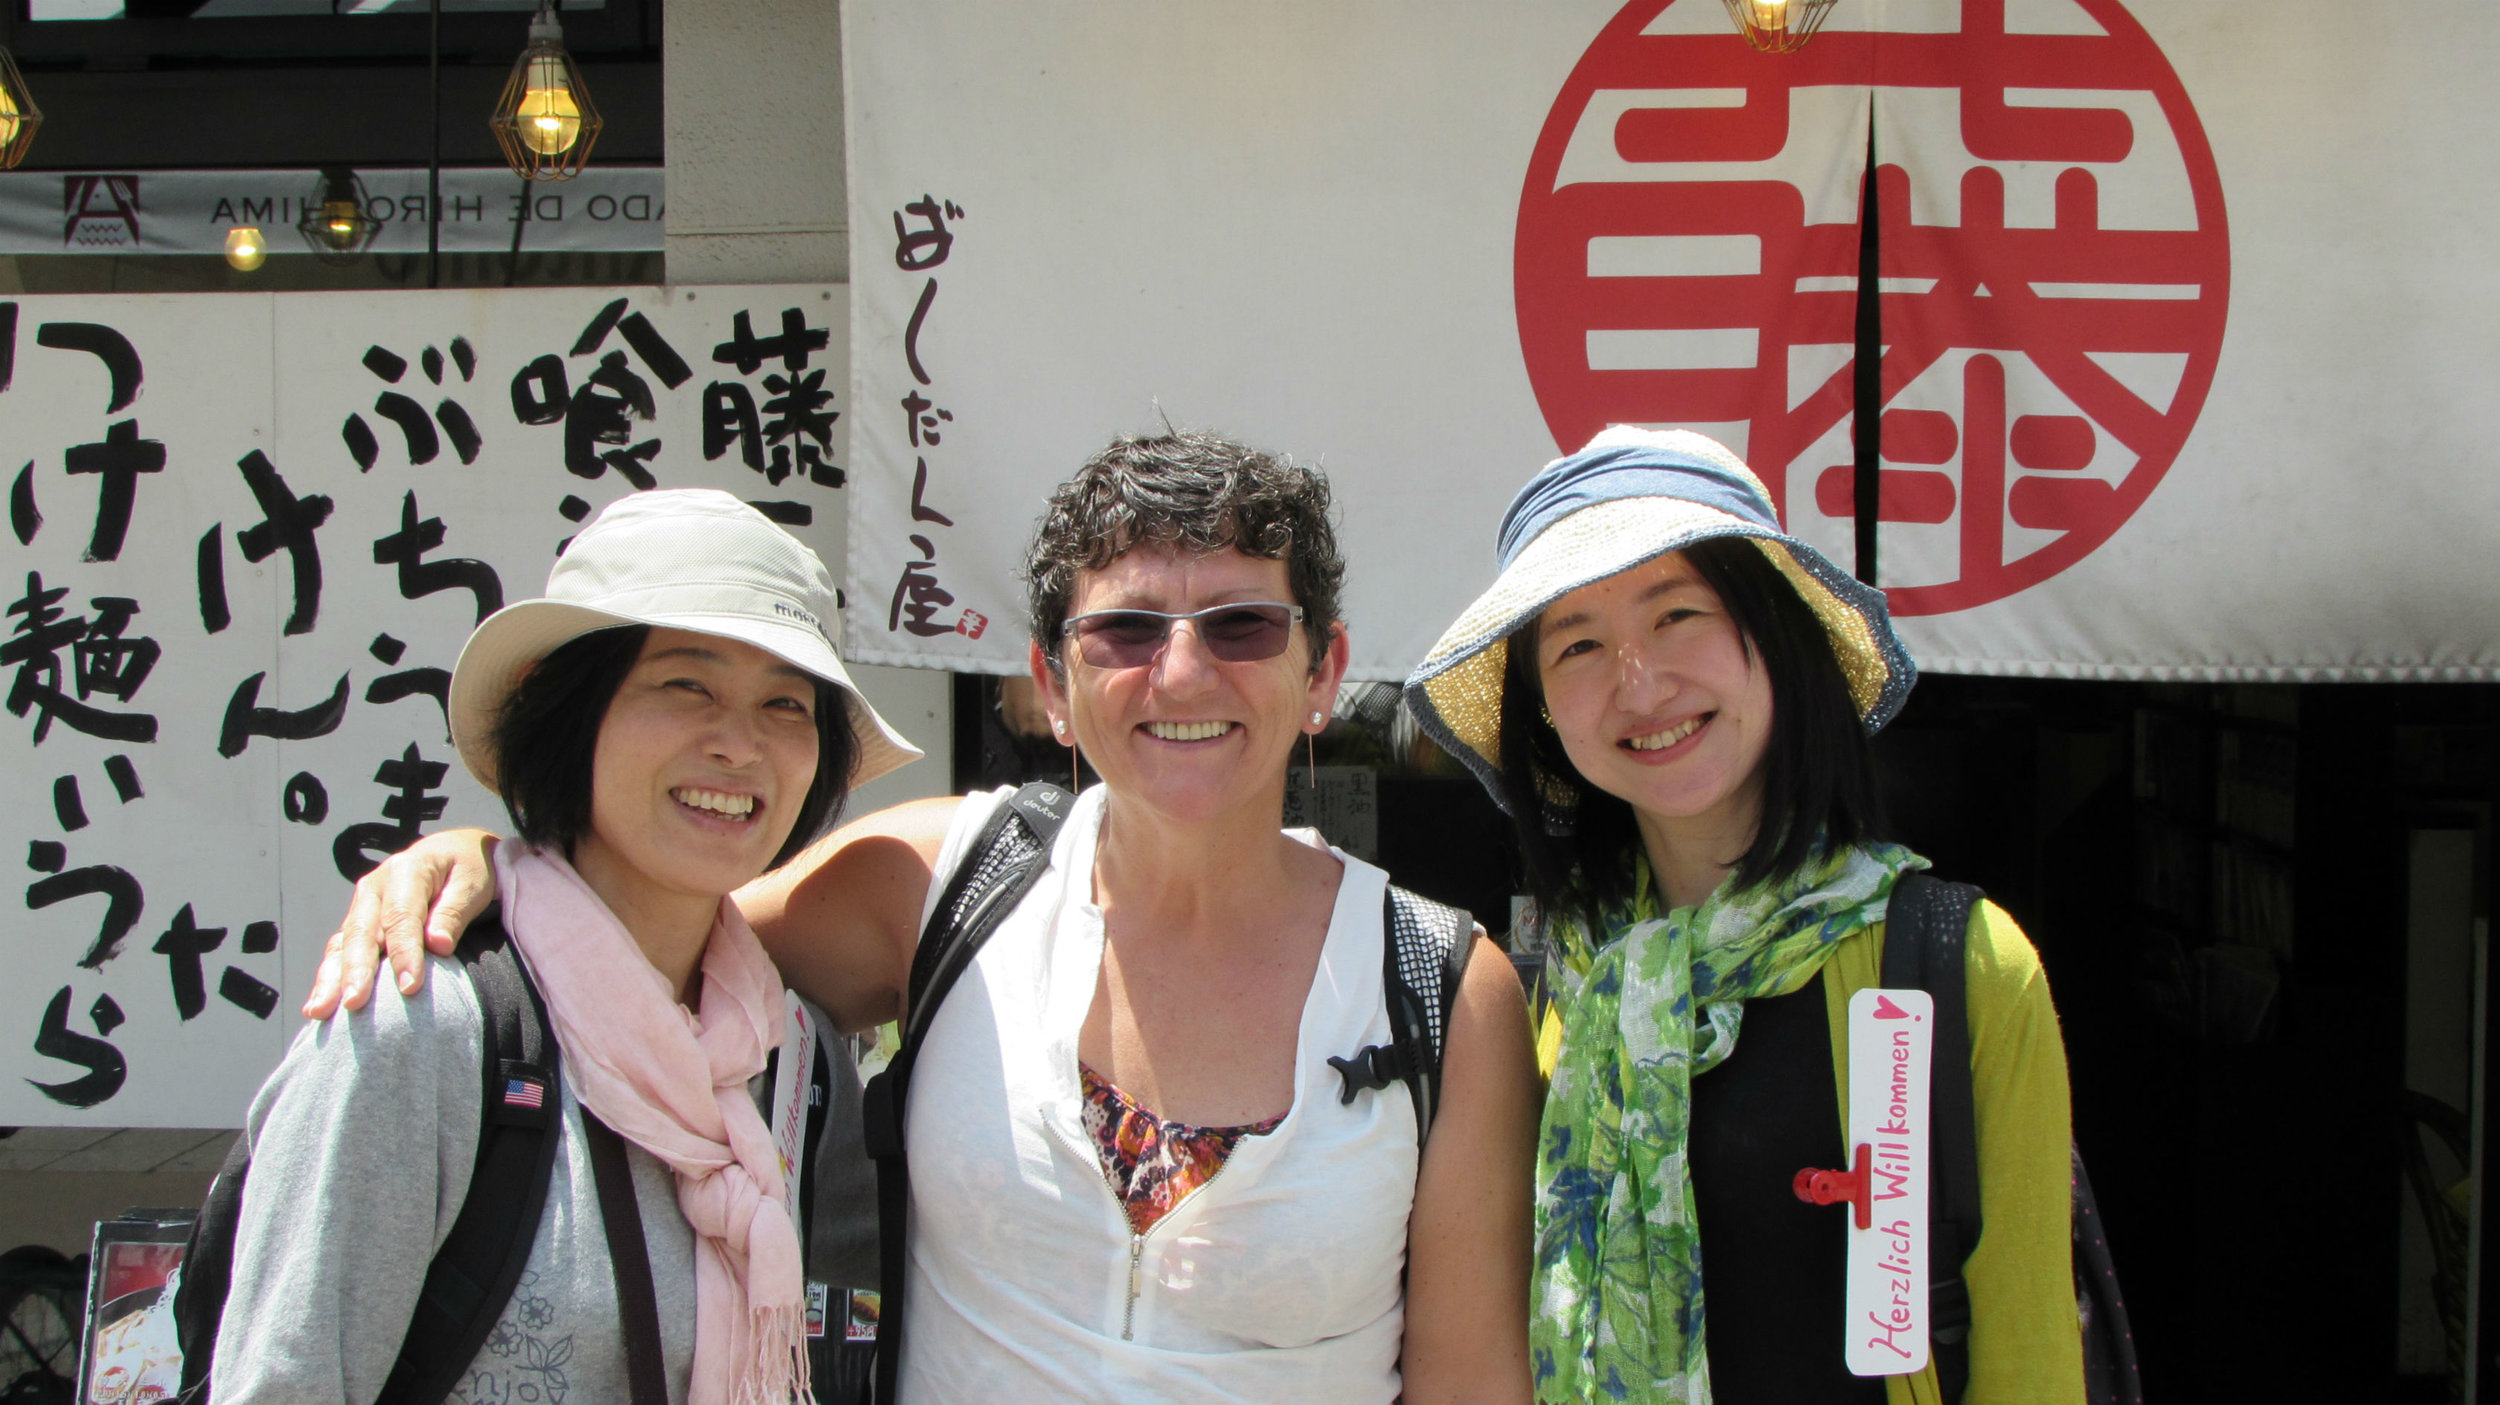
(1136, 1241)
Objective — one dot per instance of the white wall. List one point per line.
(756, 195)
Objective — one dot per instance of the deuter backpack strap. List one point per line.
(1925, 949)
(521, 1114)
(1005, 858)
(1423, 960)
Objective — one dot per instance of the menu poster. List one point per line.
(132, 1355)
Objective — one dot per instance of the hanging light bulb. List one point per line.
(550, 120)
(545, 121)
(19, 117)
(1778, 26)
(244, 248)
(335, 222)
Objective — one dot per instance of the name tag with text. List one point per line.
(1892, 1034)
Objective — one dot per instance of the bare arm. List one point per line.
(843, 918)
(1467, 1246)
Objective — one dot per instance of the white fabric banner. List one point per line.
(247, 541)
(605, 208)
(2178, 301)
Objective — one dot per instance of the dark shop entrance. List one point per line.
(2264, 912)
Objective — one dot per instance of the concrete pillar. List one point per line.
(756, 195)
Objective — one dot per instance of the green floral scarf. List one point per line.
(1646, 1003)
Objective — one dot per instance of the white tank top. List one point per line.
(1278, 1279)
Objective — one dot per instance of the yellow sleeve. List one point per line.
(2026, 1346)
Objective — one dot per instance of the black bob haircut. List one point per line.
(548, 732)
(1819, 791)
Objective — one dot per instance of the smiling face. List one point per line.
(1660, 702)
(703, 760)
(1189, 734)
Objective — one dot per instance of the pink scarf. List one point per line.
(675, 1084)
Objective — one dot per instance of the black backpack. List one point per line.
(472, 1277)
(1924, 950)
(1423, 961)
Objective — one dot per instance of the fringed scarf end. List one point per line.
(778, 1375)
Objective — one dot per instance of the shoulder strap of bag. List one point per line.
(207, 1271)
(1924, 949)
(1010, 852)
(1423, 958)
(472, 1276)
(629, 1258)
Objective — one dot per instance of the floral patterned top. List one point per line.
(1152, 1164)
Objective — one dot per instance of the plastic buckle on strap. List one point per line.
(1374, 1066)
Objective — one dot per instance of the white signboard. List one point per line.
(485, 210)
(2163, 334)
(1891, 1035)
(247, 536)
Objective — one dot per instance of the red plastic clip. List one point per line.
(1832, 1187)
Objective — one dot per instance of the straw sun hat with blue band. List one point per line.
(1631, 496)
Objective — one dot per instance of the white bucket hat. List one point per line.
(685, 558)
(1633, 495)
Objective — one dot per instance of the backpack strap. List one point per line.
(1001, 866)
(629, 1258)
(472, 1276)
(207, 1271)
(1423, 957)
(521, 1115)
(1924, 949)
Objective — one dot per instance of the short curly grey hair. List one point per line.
(1198, 492)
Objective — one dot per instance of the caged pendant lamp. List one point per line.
(545, 122)
(335, 222)
(19, 117)
(1779, 26)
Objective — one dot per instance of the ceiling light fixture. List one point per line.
(1778, 26)
(545, 120)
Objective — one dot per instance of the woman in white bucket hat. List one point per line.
(668, 722)
(1672, 698)
(1137, 1169)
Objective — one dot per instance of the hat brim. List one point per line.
(1456, 693)
(516, 637)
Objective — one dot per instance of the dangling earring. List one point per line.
(1060, 726)
(1310, 755)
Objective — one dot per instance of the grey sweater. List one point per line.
(362, 1145)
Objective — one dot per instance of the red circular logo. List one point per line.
(2055, 271)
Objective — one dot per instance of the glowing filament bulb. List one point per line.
(244, 248)
(550, 121)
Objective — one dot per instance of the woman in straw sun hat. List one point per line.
(668, 722)
(1673, 699)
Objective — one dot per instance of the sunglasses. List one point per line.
(1245, 633)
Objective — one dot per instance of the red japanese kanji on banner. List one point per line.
(1687, 246)
(2055, 266)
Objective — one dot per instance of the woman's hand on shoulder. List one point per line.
(1468, 1245)
(842, 919)
(418, 900)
